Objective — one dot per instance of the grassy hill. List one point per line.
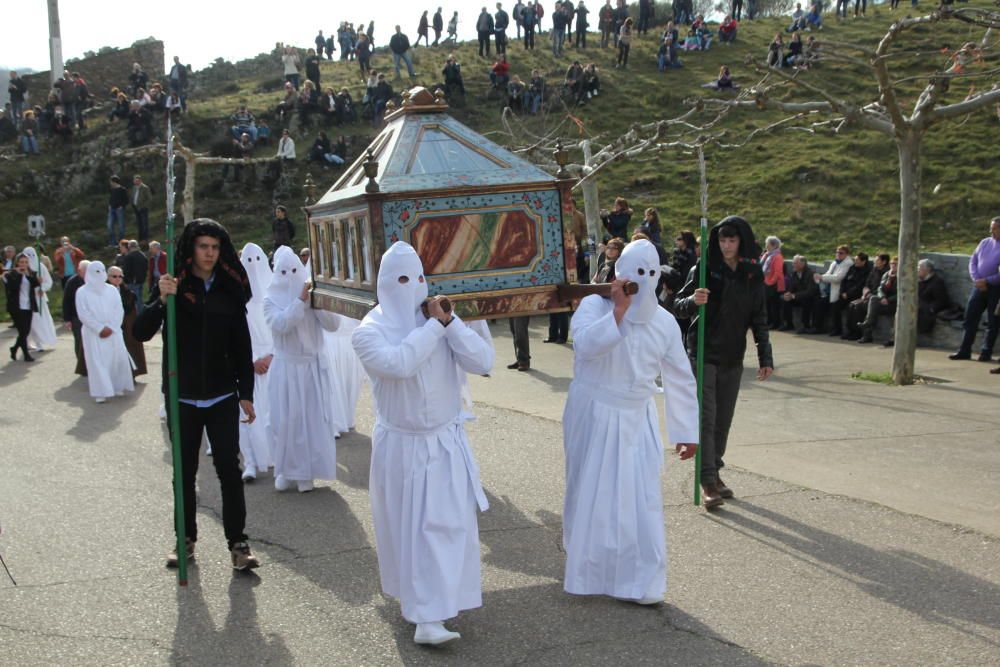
(813, 190)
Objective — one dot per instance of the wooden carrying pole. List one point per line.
(700, 356)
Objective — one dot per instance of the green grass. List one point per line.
(814, 191)
(880, 378)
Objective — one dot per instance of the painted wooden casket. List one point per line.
(488, 225)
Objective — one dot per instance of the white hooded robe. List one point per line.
(613, 529)
(424, 484)
(99, 305)
(256, 439)
(43, 329)
(303, 427)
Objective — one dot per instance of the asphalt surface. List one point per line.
(865, 532)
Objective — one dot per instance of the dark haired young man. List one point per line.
(214, 370)
(735, 302)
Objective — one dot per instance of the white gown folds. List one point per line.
(347, 370)
(613, 529)
(256, 438)
(99, 305)
(43, 329)
(303, 425)
(424, 482)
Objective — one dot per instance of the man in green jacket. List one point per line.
(141, 198)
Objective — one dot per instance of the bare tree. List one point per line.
(887, 115)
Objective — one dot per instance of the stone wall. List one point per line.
(106, 70)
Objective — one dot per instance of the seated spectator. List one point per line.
(243, 122)
(338, 155)
(815, 17)
(606, 261)
(534, 94)
(62, 127)
(308, 101)
(772, 264)
(29, 133)
(328, 107)
(500, 73)
(380, 98)
(727, 31)
(932, 296)
(245, 146)
(794, 55)
(851, 288)
(346, 113)
(704, 34)
(725, 80)
(287, 103)
(452, 77)
(173, 105)
(143, 98)
(574, 81)
(8, 130)
(810, 53)
(801, 291)
(515, 93)
(286, 147)
(691, 41)
(320, 148)
(858, 308)
(157, 99)
(882, 303)
(798, 19)
(140, 125)
(775, 51)
(263, 132)
(120, 108)
(138, 79)
(591, 81)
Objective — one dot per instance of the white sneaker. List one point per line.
(162, 412)
(101, 400)
(281, 484)
(645, 600)
(249, 473)
(433, 634)
(305, 486)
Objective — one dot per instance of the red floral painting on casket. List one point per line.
(476, 241)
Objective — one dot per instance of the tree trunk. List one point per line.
(905, 351)
(591, 207)
(187, 208)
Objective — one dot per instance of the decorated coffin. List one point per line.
(488, 225)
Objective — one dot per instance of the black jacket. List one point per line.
(283, 230)
(932, 294)
(118, 198)
(887, 288)
(69, 298)
(854, 282)
(438, 22)
(134, 266)
(399, 43)
(736, 302)
(12, 284)
(803, 287)
(214, 356)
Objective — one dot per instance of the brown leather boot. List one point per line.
(724, 490)
(710, 496)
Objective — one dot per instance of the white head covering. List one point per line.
(258, 271)
(32, 256)
(640, 263)
(288, 278)
(96, 275)
(400, 301)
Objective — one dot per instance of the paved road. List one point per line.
(866, 532)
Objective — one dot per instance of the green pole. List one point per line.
(173, 406)
(700, 360)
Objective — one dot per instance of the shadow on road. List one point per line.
(240, 639)
(354, 456)
(537, 549)
(96, 419)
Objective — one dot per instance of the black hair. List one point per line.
(728, 232)
(229, 270)
(884, 256)
(115, 179)
(863, 256)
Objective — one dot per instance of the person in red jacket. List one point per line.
(157, 267)
(66, 260)
(773, 263)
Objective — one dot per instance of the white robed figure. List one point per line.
(347, 369)
(424, 482)
(302, 425)
(613, 529)
(43, 329)
(99, 307)
(256, 438)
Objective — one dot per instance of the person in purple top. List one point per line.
(984, 269)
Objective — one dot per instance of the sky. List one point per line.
(200, 32)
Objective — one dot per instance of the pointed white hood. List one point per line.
(254, 260)
(288, 278)
(96, 275)
(401, 287)
(32, 256)
(640, 263)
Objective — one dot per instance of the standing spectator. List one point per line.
(371, 32)
(29, 133)
(650, 226)
(645, 14)
(616, 222)
(453, 77)
(829, 286)
(286, 147)
(984, 269)
(437, 23)
(558, 30)
(66, 260)
(399, 44)
(320, 42)
(67, 95)
(131, 307)
(522, 344)
(516, 13)
(621, 13)
(312, 67)
(528, 21)
(883, 302)
(850, 290)
(330, 48)
(117, 200)
(138, 79)
(624, 43)
(21, 285)
(179, 81)
(606, 22)
(453, 29)
(16, 89)
(290, 64)
(141, 199)
(736, 9)
(70, 316)
(581, 25)
(536, 91)
(484, 31)
(364, 51)
(422, 30)
(7, 262)
(140, 125)
(157, 267)
(134, 267)
(501, 20)
(800, 292)
(282, 229)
